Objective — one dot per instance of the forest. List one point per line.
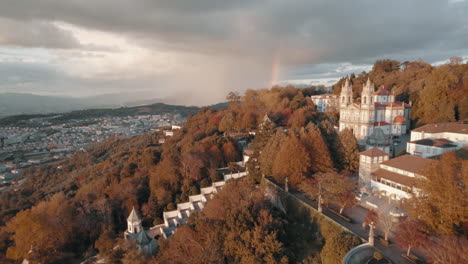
(76, 208)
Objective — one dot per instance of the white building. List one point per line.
(397, 177)
(376, 109)
(369, 161)
(325, 102)
(435, 139)
(175, 218)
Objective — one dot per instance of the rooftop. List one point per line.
(133, 217)
(382, 91)
(408, 163)
(395, 177)
(454, 127)
(374, 152)
(324, 96)
(436, 142)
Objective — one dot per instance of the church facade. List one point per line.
(377, 112)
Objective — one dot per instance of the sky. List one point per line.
(195, 52)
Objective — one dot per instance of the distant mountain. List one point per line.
(19, 103)
(59, 118)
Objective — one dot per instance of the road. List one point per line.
(356, 214)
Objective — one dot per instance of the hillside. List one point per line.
(58, 118)
(80, 205)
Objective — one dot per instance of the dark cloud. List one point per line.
(301, 31)
(309, 38)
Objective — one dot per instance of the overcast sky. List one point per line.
(199, 50)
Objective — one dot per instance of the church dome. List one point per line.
(399, 120)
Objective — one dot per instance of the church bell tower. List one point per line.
(346, 95)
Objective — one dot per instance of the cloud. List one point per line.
(208, 47)
(35, 34)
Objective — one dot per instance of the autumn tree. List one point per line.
(227, 122)
(349, 150)
(337, 247)
(346, 199)
(447, 250)
(105, 242)
(326, 187)
(269, 152)
(45, 228)
(292, 161)
(436, 92)
(190, 167)
(441, 202)
(386, 223)
(320, 160)
(297, 102)
(233, 97)
(236, 226)
(409, 235)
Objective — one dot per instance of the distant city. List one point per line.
(39, 140)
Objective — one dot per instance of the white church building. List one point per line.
(377, 113)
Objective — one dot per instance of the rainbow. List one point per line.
(275, 70)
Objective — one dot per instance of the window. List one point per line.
(365, 99)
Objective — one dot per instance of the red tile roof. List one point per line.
(395, 177)
(374, 152)
(381, 123)
(399, 120)
(408, 163)
(382, 91)
(457, 127)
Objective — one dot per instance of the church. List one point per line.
(136, 232)
(375, 118)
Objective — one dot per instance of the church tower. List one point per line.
(369, 162)
(346, 96)
(134, 222)
(367, 95)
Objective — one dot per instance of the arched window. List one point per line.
(342, 99)
(365, 99)
(371, 99)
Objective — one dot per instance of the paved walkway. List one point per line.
(357, 214)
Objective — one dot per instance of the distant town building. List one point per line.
(435, 139)
(377, 110)
(325, 102)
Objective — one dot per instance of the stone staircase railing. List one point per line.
(175, 218)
